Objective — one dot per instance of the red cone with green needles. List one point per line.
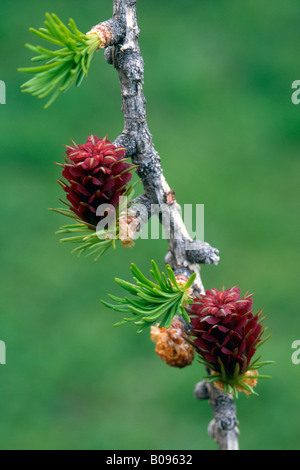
(97, 173)
(226, 335)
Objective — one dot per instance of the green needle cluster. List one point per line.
(68, 63)
(153, 302)
(88, 240)
(238, 381)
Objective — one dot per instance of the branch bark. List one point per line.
(184, 254)
(223, 428)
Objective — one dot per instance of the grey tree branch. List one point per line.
(184, 255)
(223, 428)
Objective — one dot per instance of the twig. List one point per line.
(223, 428)
(184, 254)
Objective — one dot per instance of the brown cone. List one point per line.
(171, 346)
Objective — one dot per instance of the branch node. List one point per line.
(128, 142)
(109, 55)
(202, 253)
(170, 199)
(201, 391)
(103, 33)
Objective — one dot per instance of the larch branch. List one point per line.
(184, 254)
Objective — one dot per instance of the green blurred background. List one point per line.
(218, 78)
